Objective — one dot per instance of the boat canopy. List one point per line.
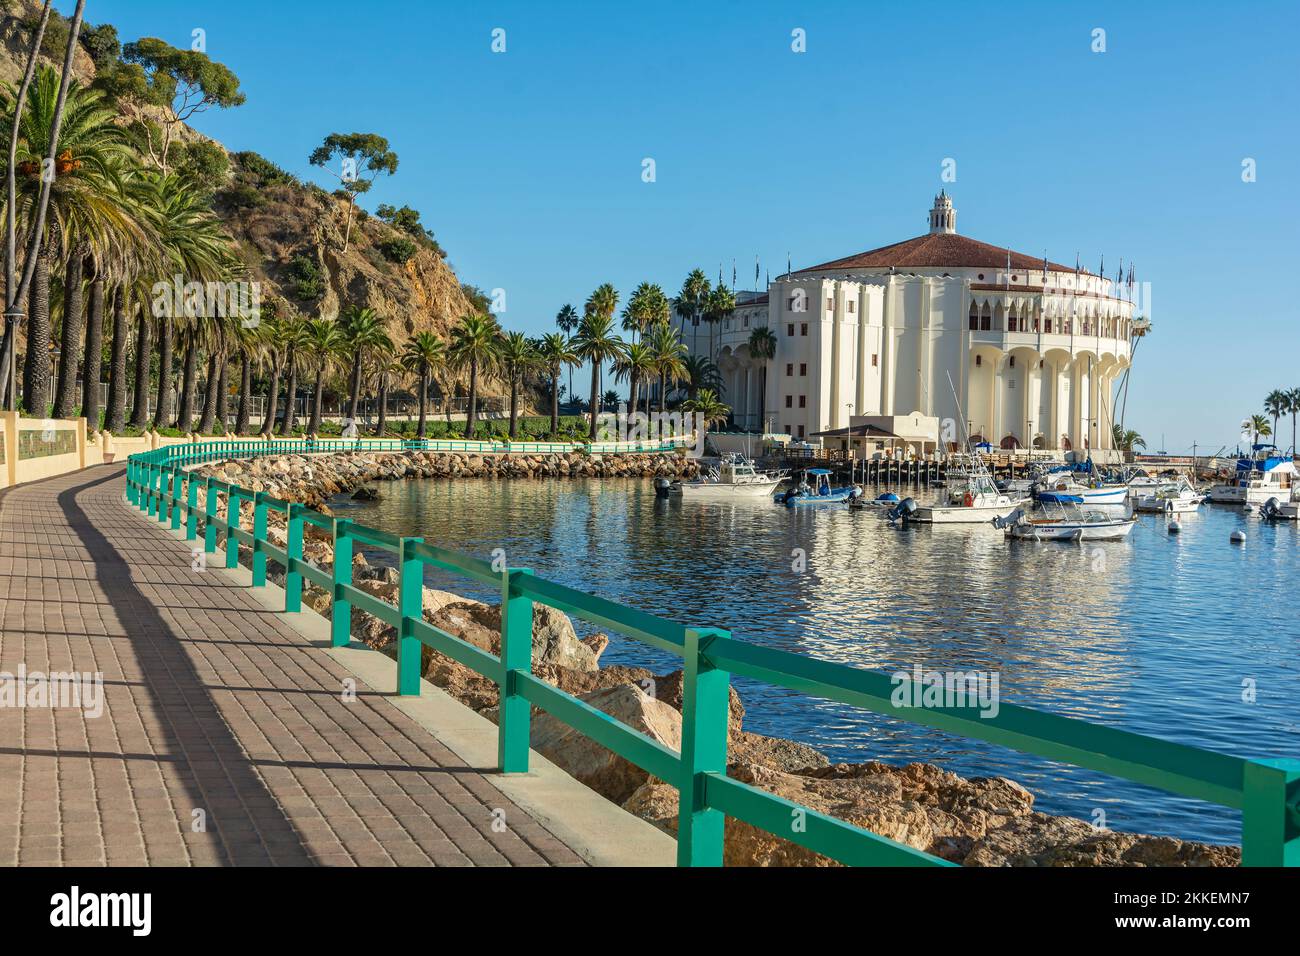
(819, 471)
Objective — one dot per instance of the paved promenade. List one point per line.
(217, 714)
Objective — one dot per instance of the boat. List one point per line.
(734, 477)
(974, 500)
(1259, 477)
(815, 489)
(1066, 521)
(1179, 499)
(882, 501)
(1277, 510)
(1069, 491)
(1140, 484)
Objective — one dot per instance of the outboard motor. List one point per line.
(1270, 509)
(1002, 522)
(901, 510)
(663, 487)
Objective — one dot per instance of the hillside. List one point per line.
(290, 233)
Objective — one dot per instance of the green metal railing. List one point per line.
(1267, 792)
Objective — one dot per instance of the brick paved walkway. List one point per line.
(212, 704)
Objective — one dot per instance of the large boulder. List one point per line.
(593, 765)
(554, 640)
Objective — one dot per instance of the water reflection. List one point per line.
(1155, 633)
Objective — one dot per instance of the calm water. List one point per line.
(1155, 634)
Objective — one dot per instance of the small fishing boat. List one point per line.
(974, 500)
(734, 477)
(883, 501)
(1179, 499)
(815, 489)
(1066, 521)
(1258, 478)
(1064, 490)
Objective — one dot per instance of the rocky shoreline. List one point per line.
(979, 821)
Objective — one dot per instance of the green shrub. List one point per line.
(398, 249)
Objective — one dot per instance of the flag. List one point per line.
(756, 273)
(1044, 268)
(733, 275)
(788, 269)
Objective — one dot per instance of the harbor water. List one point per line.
(1181, 636)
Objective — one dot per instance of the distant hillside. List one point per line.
(290, 233)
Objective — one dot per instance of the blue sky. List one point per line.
(527, 164)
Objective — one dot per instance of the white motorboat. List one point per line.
(735, 477)
(973, 500)
(1066, 490)
(1066, 522)
(1141, 485)
(1179, 499)
(1258, 479)
(1278, 510)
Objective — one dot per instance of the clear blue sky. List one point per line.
(527, 164)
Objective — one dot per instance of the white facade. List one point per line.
(1032, 354)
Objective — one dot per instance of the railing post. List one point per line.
(130, 477)
(341, 611)
(411, 603)
(293, 549)
(1270, 813)
(177, 478)
(152, 495)
(514, 716)
(210, 518)
(705, 706)
(191, 506)
(259, 537)
(232, 525)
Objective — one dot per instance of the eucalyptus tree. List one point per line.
(422, 353)
(669, 359)
(326, 344)
(762, 348)
(691, 302)
(363, 157)
(476, 348)
(597, 343)
(554, 353)
(518, 357)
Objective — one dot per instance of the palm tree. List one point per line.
(568, 321)
(1259, 428)
(597, 343)
(273, 346)
(554, 353)
(249, 344)
(707, 409)
(1277, 403)
(296, 338)
(762, 347)
(115, 412)
(388, 369)
(646, 306)
(517, 357)
(1293, 405)
(475, 346)
(422, 353)
(669, 359)
(1127, 440)
(701, 373)
(637, 365)
(325, 342)
(143, 348)
(721, 302)
(365, 335)
(691, 301)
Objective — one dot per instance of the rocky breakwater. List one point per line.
(313, 479)
(979, 821)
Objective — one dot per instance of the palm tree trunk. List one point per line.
(92, 363)
(382, 419)
(222, 404)
(514, 404)
(555, 403)
(291, 404)
(36, 370)
(272, 399)
(663, 391)
(71, 337)
(115, 419)
(163, 412)
(211, 390)
(140, 403)
(595, 394)
(189, 382)
(762, 400)
(245, 389)
(313, 427)
(424, 400)
(354, 393)
(473, 399)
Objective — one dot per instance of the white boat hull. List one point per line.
(1237, 495)
(722, 491)
(965, 514)
(1072, 531)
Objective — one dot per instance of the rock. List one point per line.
(1042, 840)
(597, 643)
(365, 494)
(589, 762)
(668, 688)
(554, 640)
(775, 753)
